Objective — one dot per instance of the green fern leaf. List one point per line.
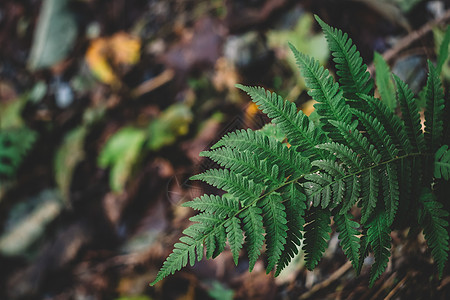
(295, 207)
(384, 82)
(234, 184)
(432, 219)
(348, 236)
(353, 75)
(322, 88)
(317, 234)
(299, 130)
(266, 148)
(442, 163)
(380, 240)
(358, 142)
(234, 236)
(434, 123)
(392, 123)
(254, 233)
(344, 153)
(274, 220)
(352, 192)
(224, 206)
(390, 191)
(410, 115)
(189, 249)
(377, 134)
(246, 164)
(370, 187)
(363, 250)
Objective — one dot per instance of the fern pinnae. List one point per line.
(353, 75)
(222, 206)
(370, 188)
(295, 207)
(234, 236)
(274, 220)
(234, 184)
(377, 133)
(442, 163)
(380, 241)
(410, 115)
(266, 148)
(296, 126)
(317, 234)
(252, 223)
(358, 142)
(435, 103)
(433, 220)
(322, 88)
(390, 191)
(392, 123)
(348, 236)
(246, 164)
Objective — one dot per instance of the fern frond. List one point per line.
(432, 219)
(352, 192)
(235, 237)
(378, 237)
(295, 207)
(318, 188)
(322, 88)
(434, 123)
(274, 220)
(252, 223)
(246, 164)
(344, 153)
(442, 163)
(410, 115)
(353, 75)
(235, 184)
(189, 249)
(358, 142)
(326, 186)
(266, 148)
(317, 234)
(299, 130)
(222, 206)
(348, 236)
(378, 135)
(391, 122)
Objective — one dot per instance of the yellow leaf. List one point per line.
(106, 54)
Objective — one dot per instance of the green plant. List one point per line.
(14, 145)
(359, 154)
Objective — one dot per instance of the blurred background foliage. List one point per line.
(105, 106)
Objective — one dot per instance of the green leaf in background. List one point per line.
(69, 154)
(14, 144)
(173, 122)
(384, 81)
(303, 38)
(219, 292)
(442, 40)
(55, 34)
(27, 222)
(121, 153)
